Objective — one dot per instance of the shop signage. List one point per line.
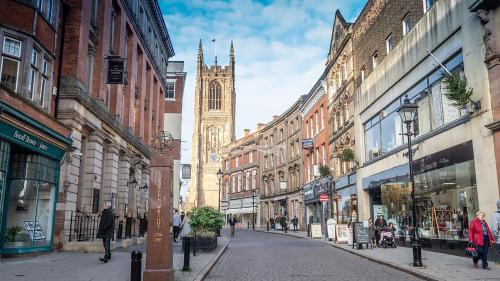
(282, 185)
(116, 70)
(453, 155)
(361, 233)
(342, 233)
(330, 227)
(27, 140)
(379, 210)
(323, 198)
(307, 143)
(186, 171)
(316, 231)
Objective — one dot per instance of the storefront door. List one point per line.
(4, 164)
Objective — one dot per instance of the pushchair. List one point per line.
(387, 238)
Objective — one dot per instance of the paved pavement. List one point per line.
(437, 266)
(264, 256)
(77, 266)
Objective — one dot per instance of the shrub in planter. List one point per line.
(205, 221)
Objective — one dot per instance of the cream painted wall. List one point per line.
(172, 123)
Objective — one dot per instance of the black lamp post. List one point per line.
(408, 112)
(219, 177)
(253, 210)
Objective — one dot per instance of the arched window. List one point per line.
(214, 98)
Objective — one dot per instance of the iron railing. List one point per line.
(83, 226)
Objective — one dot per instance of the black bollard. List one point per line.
(187, 247)
(194, 245)
(267, 226)
(136, 266)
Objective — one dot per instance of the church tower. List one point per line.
(214, 114)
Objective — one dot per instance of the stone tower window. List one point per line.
(214, 98)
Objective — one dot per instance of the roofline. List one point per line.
(297, 104)
(165, 38)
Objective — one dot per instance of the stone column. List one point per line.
(110, 178)
(123, 177)
(93, 170)
(67, 198)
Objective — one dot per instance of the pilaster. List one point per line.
(92, 177)
(110, 176)
(123, 177)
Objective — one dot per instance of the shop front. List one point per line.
(345, 200)
(445, 193)
(315, 210)
(30, 156)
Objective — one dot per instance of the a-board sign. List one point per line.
(361, 233)
(316, 231)
(342, 233)
(330, 227)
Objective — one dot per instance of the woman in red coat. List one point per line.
(480, 234)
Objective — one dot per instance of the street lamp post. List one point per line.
(253, 210)
(219, 177)
(408, 112)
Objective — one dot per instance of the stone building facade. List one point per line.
(340, 85)
(113, 127)
(214, 117)
(281, 166)
(240, 192)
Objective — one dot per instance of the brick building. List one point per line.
(315, 124)
(240, 188)
(174, 93)
(32, 142)
(281, 165)
(113, 126)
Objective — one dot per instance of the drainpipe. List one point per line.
(61, 55)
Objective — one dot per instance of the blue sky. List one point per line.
(280, 50)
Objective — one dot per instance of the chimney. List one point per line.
(246, 132)
(260, 126)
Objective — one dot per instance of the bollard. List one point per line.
(267, 226)
(194, 245)
(136, 266)
(248, 225)
(187, 246)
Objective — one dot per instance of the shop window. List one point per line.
(372, 142)
(31, 202)
(10, 73)
(391, 132)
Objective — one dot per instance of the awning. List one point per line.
(245, 210)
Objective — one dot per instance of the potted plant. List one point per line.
(205, 221)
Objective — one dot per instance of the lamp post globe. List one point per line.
(408, 113)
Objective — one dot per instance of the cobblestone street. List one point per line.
(262, 256)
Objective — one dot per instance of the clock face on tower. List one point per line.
(214, 157)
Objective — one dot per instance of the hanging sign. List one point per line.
(116, 70)
(324, 198)
(307, 143)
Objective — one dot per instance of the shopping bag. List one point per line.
(471, 250)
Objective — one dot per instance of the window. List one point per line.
(374, 60)
(214, 99)
(112, 32)
(272, 160)
(233, 184)
(93, 12)
(282, 135)
(406, 24)
(10, 73)
(227, 165)
(12, 47)
(428, 4)
(254, 179)
(239, 182)
(237, 162)
(363, 74)
(323, 154)
(90, 65)
(170, 92)
(311, 127)
(45, 8)
(389, 43)
(45, 71)
(322, 118)
(247, 180)
(250, 157)
(307, 129)
(32, 74)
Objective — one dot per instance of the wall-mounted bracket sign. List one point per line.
(116, 70)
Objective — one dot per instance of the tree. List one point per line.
(457, 90)
(324, 171)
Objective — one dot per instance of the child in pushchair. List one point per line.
(387, 236)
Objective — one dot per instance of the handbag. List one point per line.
(471, 250)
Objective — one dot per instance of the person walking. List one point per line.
(480, 234)
(371, 231)
(495, 223)
(232, 224)
(295, 221)
(176, 223)
(106, 230)
(283, 223)
(273, 227)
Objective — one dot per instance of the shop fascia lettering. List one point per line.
(30, 141)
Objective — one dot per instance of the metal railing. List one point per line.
(83, 226)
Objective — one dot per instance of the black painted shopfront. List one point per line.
(446, 198)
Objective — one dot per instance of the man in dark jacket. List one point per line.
(284, 223)
(106, 230)
(232, 224)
